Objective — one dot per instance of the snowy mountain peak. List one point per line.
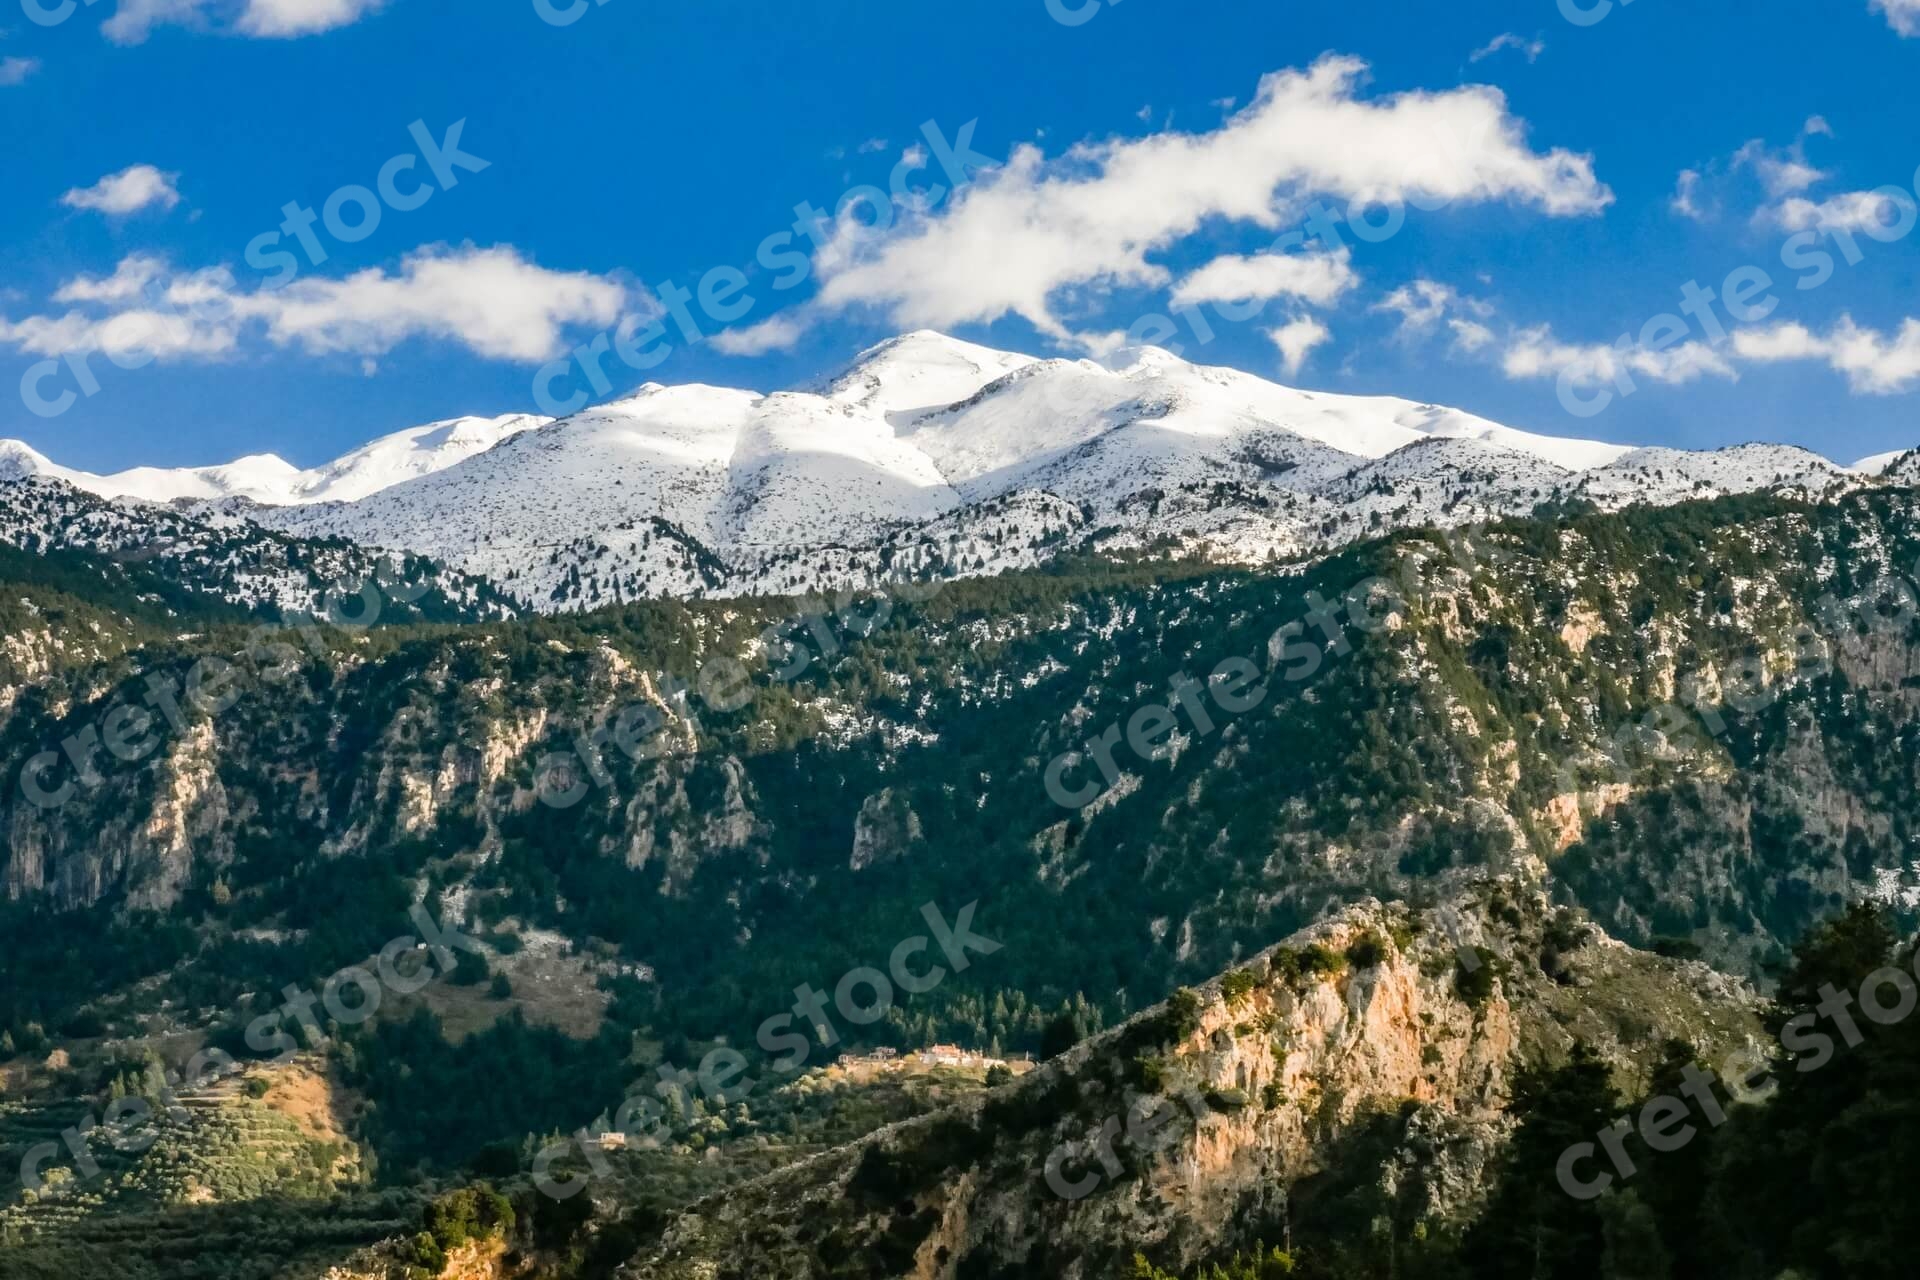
(18, 461)
(273, 481)
(917, 372)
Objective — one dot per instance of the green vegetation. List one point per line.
(1429, 749)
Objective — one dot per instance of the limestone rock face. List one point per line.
(885, 830)
(1200, 1116)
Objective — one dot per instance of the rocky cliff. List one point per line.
(1387, 1034)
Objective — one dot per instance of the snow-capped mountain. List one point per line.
(236, 561)
(1902, 466)
(265, 478)
(931, 457)
(935, 457)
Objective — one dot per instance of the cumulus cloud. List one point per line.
(1686, 196)
(776, 334)
(1874, 363)
(131, 279)
(15, 71)
(1031, 230)
(137, 187)
(1902, 15)
(1424, 303)
(1784, 174)
(1532, 48)
(1856, 211)
(1470, 335)
(147, 314)
(279, 19)
(491, 301)
(135, 20)
(1535, 353)
(1296, 340)
(1784, 171)
(1318, 278)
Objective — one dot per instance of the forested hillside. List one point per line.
(1696, 724)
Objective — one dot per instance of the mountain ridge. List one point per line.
(932, 458)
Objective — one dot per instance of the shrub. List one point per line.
(1474, 982)
(1675, 948)
(1238, 985)
(1183, 1013)
(1317, 960)
(1369, 951)
(469, 970)
(1284, 965)
(1148, 1074)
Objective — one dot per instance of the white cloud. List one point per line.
(1535, 353)
(1784, 171)
(1855, 211)
(15, 71)
(1686, 196)
(132, 278)
(1029, 230)
(1319, 278)
(492, 301)
(775, 334)
(1297, 339)
(872, 146)
(1873, 362)
(1470, 335)
(1902, 15)
(147, 314)
(1532, 48)
(135, 20)
(128, 191)
(1424, 303)
(284, 18)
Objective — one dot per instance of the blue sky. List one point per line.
(151, 142)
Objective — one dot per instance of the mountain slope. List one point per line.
(187, 564)
(1179, 1132)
